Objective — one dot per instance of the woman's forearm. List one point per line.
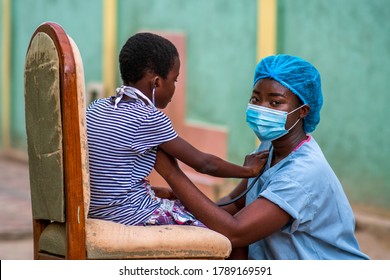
(201, 206)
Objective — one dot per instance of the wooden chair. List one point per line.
(59, 175)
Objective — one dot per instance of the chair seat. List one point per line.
(111, 240)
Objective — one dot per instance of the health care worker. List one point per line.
(296, 208)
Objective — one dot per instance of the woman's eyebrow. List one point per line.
(277, 94)
(273, 94)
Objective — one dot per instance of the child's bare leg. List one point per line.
(239, 254)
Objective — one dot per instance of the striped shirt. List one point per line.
(122, 145)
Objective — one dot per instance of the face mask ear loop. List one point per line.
(296, 109)
(294, 125)
(298, 119)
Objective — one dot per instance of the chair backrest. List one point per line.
(56, 138)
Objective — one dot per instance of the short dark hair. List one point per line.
(145, 52)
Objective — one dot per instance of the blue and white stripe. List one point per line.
(122, 144)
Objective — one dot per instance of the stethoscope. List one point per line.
(244, 192)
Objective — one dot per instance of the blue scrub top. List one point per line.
(305, 186)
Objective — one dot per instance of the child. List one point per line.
(125, 131)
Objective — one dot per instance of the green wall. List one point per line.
(221, 53)
(221, 56)
(82, 20)
(349, 42)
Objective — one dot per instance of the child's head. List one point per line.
(150, 63)
(145, 52)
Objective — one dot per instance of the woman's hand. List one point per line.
(256, 161)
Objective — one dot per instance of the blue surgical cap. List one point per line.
(300, 77)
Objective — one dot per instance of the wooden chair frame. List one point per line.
(74, 200)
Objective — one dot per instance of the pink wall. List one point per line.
(207, 139)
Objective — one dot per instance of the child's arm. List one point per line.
(210, 164)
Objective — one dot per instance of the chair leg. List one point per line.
(38, 227)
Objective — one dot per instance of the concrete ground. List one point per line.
(373, 226)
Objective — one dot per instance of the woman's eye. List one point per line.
(275, 103)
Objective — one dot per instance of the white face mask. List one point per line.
(268, 124)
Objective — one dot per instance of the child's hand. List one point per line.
(162, 192)
(256, 161)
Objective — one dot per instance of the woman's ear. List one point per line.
(304, 111)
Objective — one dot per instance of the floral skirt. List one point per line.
(170, 212)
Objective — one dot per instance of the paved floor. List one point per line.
(373, 228)
(15, 210)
